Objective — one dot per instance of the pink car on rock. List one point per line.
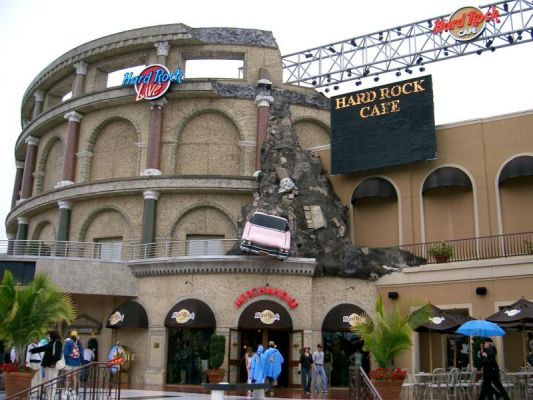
(267, 234)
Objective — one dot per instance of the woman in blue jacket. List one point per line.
(73, 353)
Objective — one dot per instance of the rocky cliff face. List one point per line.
(292, 184)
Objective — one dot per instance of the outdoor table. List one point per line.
(522, 380)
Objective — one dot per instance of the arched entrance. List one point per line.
(342, 347)
(261, 322)
(190, 324)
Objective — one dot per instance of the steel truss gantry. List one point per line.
(404, 47)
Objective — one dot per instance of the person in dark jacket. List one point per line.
(305, 367)
(491, 373)
(52, 352)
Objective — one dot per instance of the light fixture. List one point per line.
(349, 73)
(510, 39)
(330, 48)
(479, 51)
(358, 83)
(419, 60)
(488, 44)
(398, 73)
(376, 78)
(399, 31)
(422, 68)
(336, 87)
(393, 295)
(328, 78)
(353, 43)
(380, 36)
(519, 37)
(308, 55)
(492, 48)
(505, 7)
(531, 33)
(430, 24)
(408, 70)
(366, 72)
(481, 290)
(327, 90)
(445, 51)
(314, 83)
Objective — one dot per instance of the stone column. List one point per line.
(162, 52)
(263, 100)
(17, 186)
(38, 105)
(10, 243)
(149, 222)
(78, 86)
(71, 148)
(63, 227)
(153, 159)
(22, 235)
(29, 168)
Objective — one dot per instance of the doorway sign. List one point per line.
(266, 291)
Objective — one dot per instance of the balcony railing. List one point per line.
(117, 251)
(511, 245)
(480, 248)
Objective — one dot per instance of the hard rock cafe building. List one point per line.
(130, 204)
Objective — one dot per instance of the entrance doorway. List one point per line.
(256, 337)
(260, 322)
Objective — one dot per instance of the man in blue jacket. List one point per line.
(274, 359)
(73, 353)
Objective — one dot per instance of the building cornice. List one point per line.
(124, 186)
(222, 265)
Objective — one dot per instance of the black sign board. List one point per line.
(383, 126)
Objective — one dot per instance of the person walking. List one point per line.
(88, 357)
(248, 363)
(318, 364)
(52, 352)
(274, 359)
(258, 366)
(305, 367)
(33, 361)
(491, 373)
(73, 353)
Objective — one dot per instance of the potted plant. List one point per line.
(27, 312)
(217, 350)
(386, 336)
(442, 251)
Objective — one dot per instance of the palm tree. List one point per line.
(389, 333)
(28, 311)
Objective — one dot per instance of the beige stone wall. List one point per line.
(115, 151)
(174, 210)
(107, 218)
(44, 225)
(378, 214)
(49, 165)
(516, 198)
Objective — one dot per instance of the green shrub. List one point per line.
(217, 351)
(441, 249)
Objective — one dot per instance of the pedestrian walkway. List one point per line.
(197, 393)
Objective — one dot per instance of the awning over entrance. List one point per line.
(520, 166)
(342, 317)
(447, 176)
(128, 315)
(191, 313)
(265, 314)
(374, 187)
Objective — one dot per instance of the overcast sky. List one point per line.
(34, 33)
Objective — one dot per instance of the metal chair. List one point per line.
(439, 383)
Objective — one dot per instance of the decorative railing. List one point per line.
(361, 387)
(95, 381)
(480, 248)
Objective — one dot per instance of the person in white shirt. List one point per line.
(88, 357)
(318, 366)
(33, 361)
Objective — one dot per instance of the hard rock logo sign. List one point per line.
(352, 319)
(183, 316)
(267, 317)
(467, 23)
(153, 82)
(115, 318)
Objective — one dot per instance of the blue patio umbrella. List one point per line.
(480, 327)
